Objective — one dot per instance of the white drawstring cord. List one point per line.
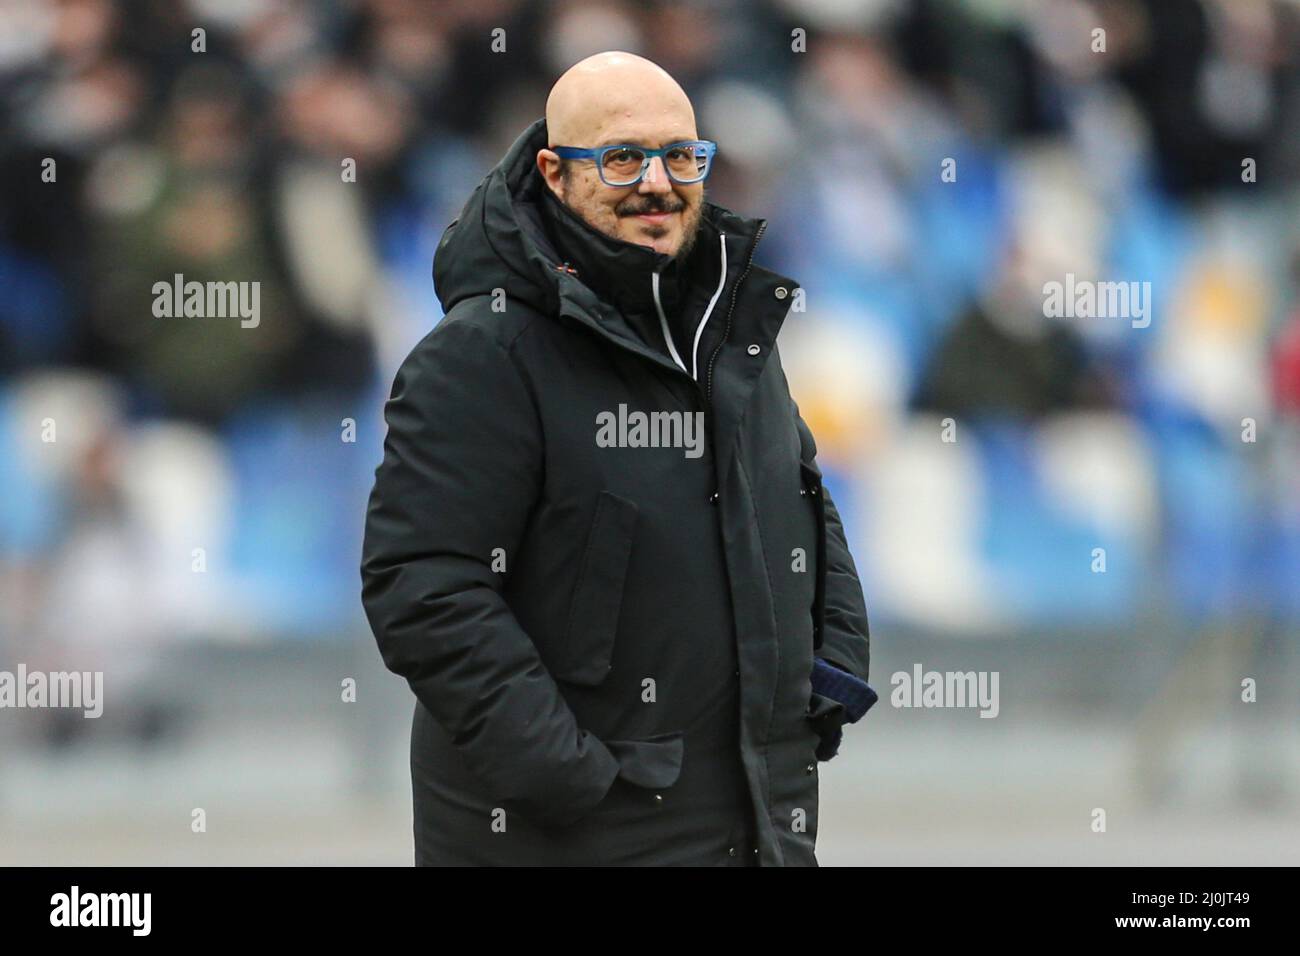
(663, 322)
(699, 329)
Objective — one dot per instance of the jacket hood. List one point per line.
(507, 238)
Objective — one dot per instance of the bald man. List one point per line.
(614, 98)
(598, 546)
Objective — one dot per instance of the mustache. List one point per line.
(651, 206)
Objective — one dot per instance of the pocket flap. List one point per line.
(654, 762)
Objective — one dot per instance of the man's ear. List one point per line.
(548, 164)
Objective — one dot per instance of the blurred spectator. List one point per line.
(927, 166)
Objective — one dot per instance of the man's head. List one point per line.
(615, 98)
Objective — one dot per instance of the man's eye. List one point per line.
(621, 157)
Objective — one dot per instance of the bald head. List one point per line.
(621, 98)
(615, 93)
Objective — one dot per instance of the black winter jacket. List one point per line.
(610, 643)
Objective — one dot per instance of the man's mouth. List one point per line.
(654, 218)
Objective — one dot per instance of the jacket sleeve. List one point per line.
(462, 467)
(846, 638)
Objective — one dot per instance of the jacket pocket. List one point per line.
(598, 594)
(811, 488)
(654, 763)
(826, 717)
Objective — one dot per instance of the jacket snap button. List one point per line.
(811, 768)
(753, 350)
(659, 799)
(782, 292)
(713, 498)
(731, 851)
(803, 492)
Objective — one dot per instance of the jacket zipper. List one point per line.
(735, 289)
(707, 391)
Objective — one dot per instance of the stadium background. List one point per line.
(1119, 690)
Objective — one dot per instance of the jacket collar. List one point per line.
(620, 273)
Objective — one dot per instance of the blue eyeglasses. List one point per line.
(624, 165)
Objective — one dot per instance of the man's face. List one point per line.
(655, 212)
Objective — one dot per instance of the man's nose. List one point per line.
(656, 178)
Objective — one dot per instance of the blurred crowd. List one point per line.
(926, 167)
